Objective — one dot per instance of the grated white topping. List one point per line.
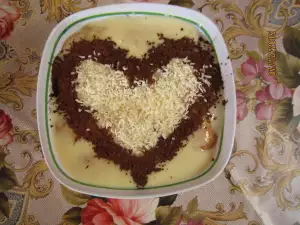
(138, 116)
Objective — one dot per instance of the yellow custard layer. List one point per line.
(78, 158)
(134, 33)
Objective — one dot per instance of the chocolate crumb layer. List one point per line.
(107, 52)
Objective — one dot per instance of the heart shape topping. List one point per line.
(136, 112)
(138, 116)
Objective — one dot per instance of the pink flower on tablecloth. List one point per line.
(241, 105)
(252, 70)
(5, 128)
(119, 212)
(8, 16)
(268, 98)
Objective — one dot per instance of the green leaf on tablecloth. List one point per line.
(238, 74)
(263, 44)
(168, 215)
(287, 69)
(291, 41)
(254, 55)
(4, 206)
(2, 157)
(73, 197)
(167, 200)
(294, 123)
(192, 206)
(283, 115)
(184, 3)
(72, 216)
(8, 179)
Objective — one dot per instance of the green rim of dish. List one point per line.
(47, 98)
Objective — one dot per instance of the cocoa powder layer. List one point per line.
(142, 69)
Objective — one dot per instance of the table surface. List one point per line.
(261, 183)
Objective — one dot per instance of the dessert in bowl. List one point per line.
(139, 101)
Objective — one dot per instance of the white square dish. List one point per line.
(75, 22)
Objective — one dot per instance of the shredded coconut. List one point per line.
(138, 116)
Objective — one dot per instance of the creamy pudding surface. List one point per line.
(137, 102)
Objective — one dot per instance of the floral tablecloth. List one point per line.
(260, 185)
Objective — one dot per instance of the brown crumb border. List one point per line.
(156, 57)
